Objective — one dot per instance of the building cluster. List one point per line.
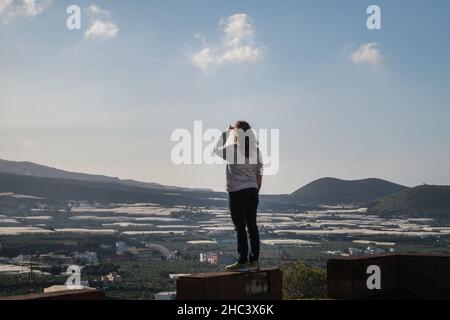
(354, 251)
(219, 258)
(149, 252)
(24, 263)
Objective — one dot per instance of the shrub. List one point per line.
(301, 281)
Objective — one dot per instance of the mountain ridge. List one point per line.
(323, 191)
(334, 191)
(420, 201)
(28, 168)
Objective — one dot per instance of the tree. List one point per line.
(301, 281)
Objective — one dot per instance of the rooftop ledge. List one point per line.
(61, 295)
(389, 276)
(264, 284)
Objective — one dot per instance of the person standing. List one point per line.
(244, 171)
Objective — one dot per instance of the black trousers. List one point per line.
(243, 208)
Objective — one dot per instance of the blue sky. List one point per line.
(107, 103)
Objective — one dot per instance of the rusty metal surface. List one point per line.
(412, 275)
(263, 284)
(61, 295)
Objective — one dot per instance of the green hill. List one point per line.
(332, 191)
(25, 168)
(421, 201)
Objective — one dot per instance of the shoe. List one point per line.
(237, 267)
(253, 265)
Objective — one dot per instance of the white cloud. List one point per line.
(4, 5)
(368, 53)
(96, 10)
(102, 29)
(33, 8)
(101, 25)
(238, 44)
(12, 9)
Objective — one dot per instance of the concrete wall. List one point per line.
(263, 284)
(401, 276)
(61, 295)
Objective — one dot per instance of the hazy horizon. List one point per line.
(127, 178)
(350, 103)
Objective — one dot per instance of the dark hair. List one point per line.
(245, 126)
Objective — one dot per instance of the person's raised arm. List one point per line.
(220, 149)
(259, 175)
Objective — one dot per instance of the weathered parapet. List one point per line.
(61, 295)
(265, 284)
(389, 276)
